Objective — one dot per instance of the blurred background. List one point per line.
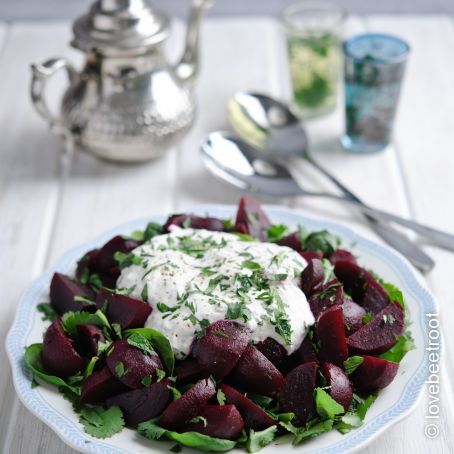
(63, 9)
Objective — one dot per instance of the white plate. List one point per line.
(393, 403)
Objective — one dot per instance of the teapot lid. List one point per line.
(119, 26)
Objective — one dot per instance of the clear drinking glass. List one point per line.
(313, 31)
(374, 68)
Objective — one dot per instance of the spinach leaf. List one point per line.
(404, 344)
(257, 440)
(312, 429)
(327, 407)
(70, 320)
(352, 363)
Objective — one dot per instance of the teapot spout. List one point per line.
(187, 67)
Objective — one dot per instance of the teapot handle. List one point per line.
(41, 74)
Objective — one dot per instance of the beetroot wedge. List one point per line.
(380, 334)
(253, 416)
(251, 219)
(188, 371)
(64, 292)
(89, 337)
(100, 385)
(339, 386)
(305, 353)
(361, 286)
(341, 255)
(106, 263)
(327, 295)
(58, 353)
(254, 372)
(312, 277)
(274, 351)
(87, 264)
(130, 365)
(220, 421)
(293, 241)
(126, 311)
(311, 255)
(189, 405)
(195, 222)
(222, 346)
(331, 334)
(298, 392)
(142, 404)
(353, 316)
(374, 373)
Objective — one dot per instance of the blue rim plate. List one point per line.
(393, 403)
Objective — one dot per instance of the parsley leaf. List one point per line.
(101, 423)
(276, 232)
(141, 342)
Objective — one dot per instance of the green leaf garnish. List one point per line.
(396, 353)
(70, 320)
(258, 440)
(100, 422)
(220, 397)
(276, 232)
(327, 407)
(312, 429)
(125, 260)
(48, 311)
(321, 241)
(352, 363)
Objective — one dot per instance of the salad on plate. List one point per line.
(220, 333)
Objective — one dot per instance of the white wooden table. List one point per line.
(39, 219)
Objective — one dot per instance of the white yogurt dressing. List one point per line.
(195, 277)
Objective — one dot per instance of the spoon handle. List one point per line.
(393, 237)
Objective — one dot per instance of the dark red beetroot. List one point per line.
(353, 315)
(126, 311)
(58, 353)
(293, 241)
(142, 404)
(220, 421)
(87, 264)
(380, 334)
(304, 354)
(361, 286)
(374, 373)
(195, 222)
(298, 392)
(220, 349)
(274, 351)
(312, 277)
(100, 385)
(188, 371)
(339, 386)
(311, 255)
(256, 373)
(341, 254)
(189, 405)
(106, 263)
(331, 335)
(88, 338)
(63, 290)
(253, 416)
(130, 365)
(325, 296)
(251, 219)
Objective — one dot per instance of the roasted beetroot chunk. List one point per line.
(130, 365)
(374, 373)
(305, 353)
(195, 222)
(298, 392)
(251, 219)
(380, 334)
(106, 263)
(254, 417)
(293, 241)
(100, 385)
(339, 386)
(222, 346)
(353, 316)
(188, 371)
(362, 286)
(189, 405)
(58, 353)
(221, 421)
(327, 295)
(254, 372)
(331, 335)
(341, 255)
(142, 404)
(126, 311)
(312, 277)
(89, 337)
(87, 264)
(274, 351)
(63, 292)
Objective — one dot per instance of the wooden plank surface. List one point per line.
(237, 54)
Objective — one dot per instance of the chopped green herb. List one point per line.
(82, 299)
(146, 381)
(144, 294)
(368, 317)
(164, 308)
(48, 311)
(220, 333)
(125, 260)
(141, 342)
(404, 344)
(160, 374)
(327, 407)
(117, 329)
(276, 232)
(238, 310)
(119, 369)
(312, 429)
(220, 396)
(352, 363)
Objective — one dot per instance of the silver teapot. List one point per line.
(128, 103)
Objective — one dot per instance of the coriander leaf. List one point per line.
(312, 430)
(48, 311)
(70, 321)
(404, 344)
(327, 407)
(100, 422)
(141, 342)
(160, 343)
(352, 363)
(257, 440)
(151, 230)
(90, 366)
(322, 241)
(33, 360)
(119, 369)
(220, 396)
(276, 232)
(150, 430)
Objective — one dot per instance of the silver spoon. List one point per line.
(270, 126)
(233, 160)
